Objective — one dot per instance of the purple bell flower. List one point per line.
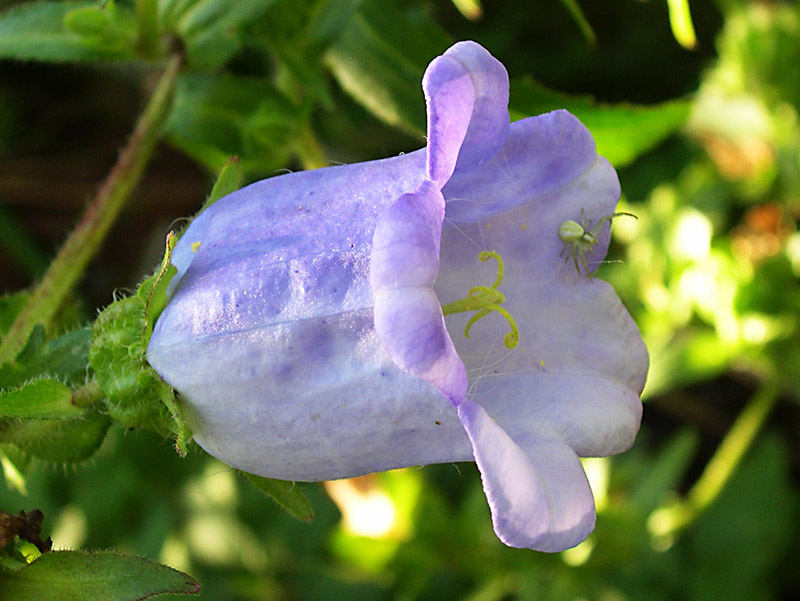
(305, 329)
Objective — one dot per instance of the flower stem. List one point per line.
(667, 521)
(87, 395)
(85, 239)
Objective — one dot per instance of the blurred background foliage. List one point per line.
(706, 138)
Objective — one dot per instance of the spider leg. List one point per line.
(585, 266)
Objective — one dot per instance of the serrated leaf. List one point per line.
(622, 132)
(380, 57)
(286, 494)
(36, 31)
(39, 399)
(103, 576)
(212, 31)
(57, 440)
(215, 117)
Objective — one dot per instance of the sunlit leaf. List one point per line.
(380, 65)
(39, 399)
(622, 131)
(103, 576)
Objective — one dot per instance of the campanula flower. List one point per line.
(306, 328)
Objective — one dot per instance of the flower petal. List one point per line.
(311, 399)
(540, 155)
(408, 317)
(580, 364)
(466, 90)
(539, 497)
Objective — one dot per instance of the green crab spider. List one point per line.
(579, 239)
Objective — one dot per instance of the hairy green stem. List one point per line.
(85, 239)
(87, 395)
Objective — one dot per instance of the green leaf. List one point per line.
(215, 117)
(622, 132)
(57, 440)
(378, 62)
(286, 494)
(61, 32)
(39, 399)
(64, 358)
(103, 576)
(212, 31)
(103, 27)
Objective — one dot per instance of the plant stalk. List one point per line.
(85, 239)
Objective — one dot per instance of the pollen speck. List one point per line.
(523, 226)
(195, 246)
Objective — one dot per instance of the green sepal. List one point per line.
(136, 396)
(153, 290)
(117, 355)
(101, 576)
(39, 399)
(228, 181)
(286, 494)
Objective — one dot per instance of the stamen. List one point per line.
(485, 299)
